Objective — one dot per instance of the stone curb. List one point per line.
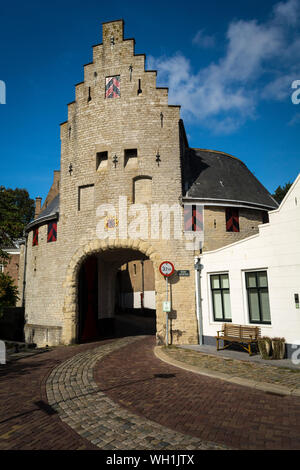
(263, 386)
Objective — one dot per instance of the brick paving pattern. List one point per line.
(26, 423)
(118, 395)
(258, 372)
(207, 408)
(73, 393)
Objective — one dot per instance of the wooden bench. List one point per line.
(244, 335)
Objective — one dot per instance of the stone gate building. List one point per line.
(125, 160)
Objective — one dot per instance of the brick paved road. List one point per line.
(210, 409)
(72, 391)
(24, 419)
(205, 408)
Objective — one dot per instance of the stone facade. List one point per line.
(131, 146)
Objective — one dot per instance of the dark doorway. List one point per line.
(88, 301)
(102, 283)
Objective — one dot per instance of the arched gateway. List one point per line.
(113, 253)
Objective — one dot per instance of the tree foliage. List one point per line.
(8, 292)
(280, 192)
(16, 211)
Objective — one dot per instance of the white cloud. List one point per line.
(295, 120)
(260, 62)
(204, 40)
(287, 12)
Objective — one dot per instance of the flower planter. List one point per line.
(264, 346)
(278, 346)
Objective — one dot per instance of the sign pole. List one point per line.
(166, 268)
(167, 317)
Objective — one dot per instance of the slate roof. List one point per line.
(49, 213)
(213, 175)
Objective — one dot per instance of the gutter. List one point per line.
(226, 202)
(41, 220)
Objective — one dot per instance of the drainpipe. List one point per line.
(143, 286)
(25, 268)
(198, 268)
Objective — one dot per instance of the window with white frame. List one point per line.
(1, 268)
(220, 294)
(258, 297)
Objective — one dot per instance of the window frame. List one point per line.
(223, 319)
(258, 289)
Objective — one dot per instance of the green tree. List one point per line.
(280, 192)
(16, 211)
(8, 292)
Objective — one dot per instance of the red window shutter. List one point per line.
(35, 237)
(193, 218)
(232, 220)
(52, 232)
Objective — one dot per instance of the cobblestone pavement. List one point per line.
(26, 420)
(289, 378)
(207, 408)
(73, 393)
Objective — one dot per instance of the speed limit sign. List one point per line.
(166, 268)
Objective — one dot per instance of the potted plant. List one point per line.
(264, 346)
(278, 346)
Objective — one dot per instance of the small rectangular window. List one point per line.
(52, 232)
(101, 160)
(220, 297)
(258, 297)
(1, 268)
(35, 237)
(130, 158)
(232, 219)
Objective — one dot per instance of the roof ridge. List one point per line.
(218, 151)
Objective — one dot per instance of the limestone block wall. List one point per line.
(215, 232)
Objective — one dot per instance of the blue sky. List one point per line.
(229, 64)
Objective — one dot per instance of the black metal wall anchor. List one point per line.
(115, 160)
(70, 169)
(158, 160)
(70, 129)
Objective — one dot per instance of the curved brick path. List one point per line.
(207, 408)
(73, 393)
(146, 389)
(26, 422)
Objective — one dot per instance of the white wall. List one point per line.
(277, 249)
(149, 299)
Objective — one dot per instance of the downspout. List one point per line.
(24, 272)
(198, 268)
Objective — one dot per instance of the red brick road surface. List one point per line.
(25, 422)
(210, 409)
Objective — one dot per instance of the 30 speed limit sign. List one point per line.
(166, 268)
